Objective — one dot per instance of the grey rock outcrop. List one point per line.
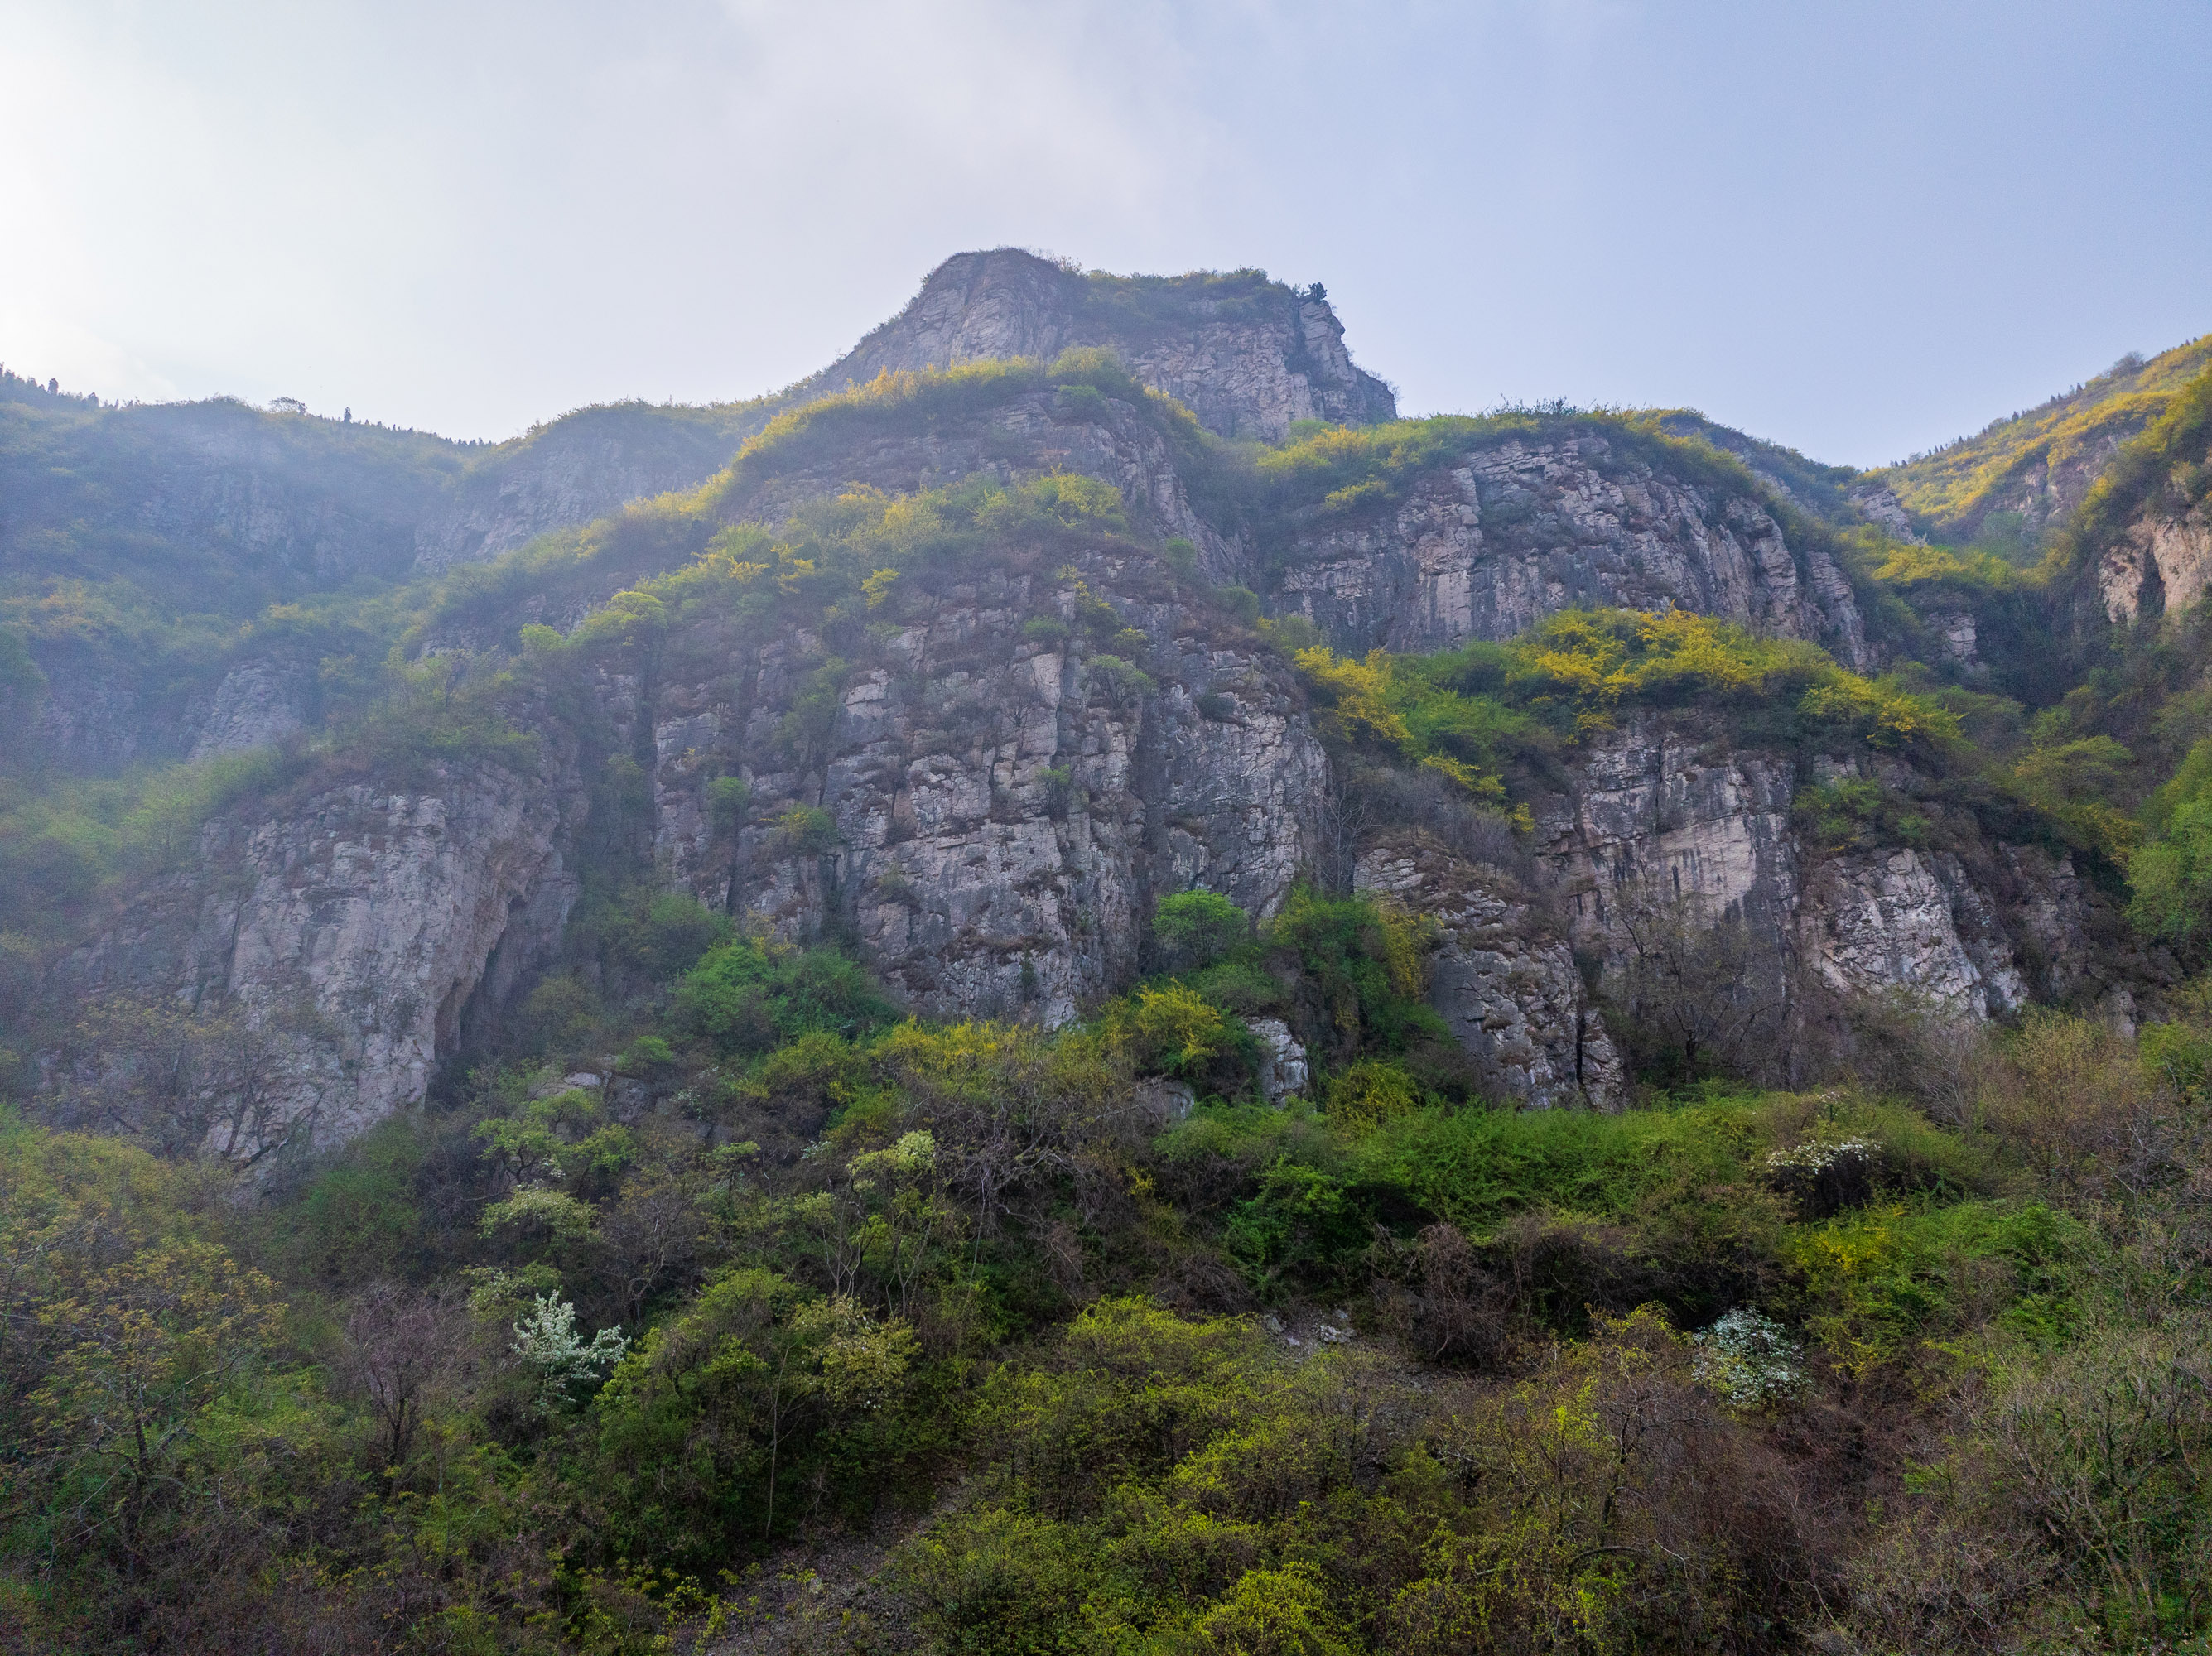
(1002, 809)
(1661, 814)
(1283, 1071)
(2162, 562)
(1653, 812)
(1880, 507)
(1246, 355)
(1487, 546)
(1505, 979)
(358, 930)
(1897, 919)
(257, 703)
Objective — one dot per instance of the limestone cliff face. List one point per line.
(1881, 507)
(1658, 810)
(1515, 532)
(258, 702)
(986, 787)
(1505, 979)
(1004, 808)
(354, 931)
(2163, 562)
(1248, 357)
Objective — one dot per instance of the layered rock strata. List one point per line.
(1002, 809)
(1662, 817)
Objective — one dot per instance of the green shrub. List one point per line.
(748, 996)
(1193, 929)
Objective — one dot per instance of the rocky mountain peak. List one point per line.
(1248, 354)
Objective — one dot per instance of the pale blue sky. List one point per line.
(1857, 229)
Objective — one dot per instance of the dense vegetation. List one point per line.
(536, 1369)
(144, 549)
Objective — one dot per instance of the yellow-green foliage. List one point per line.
(841, 559)
(1158, 1485)
(1170, 1027)
(2166, 468)
(62, 849)
(818, 563)
(965, 1277)
(1880, 1278)
(908, 401)
(1369, 1092)
(2074, 784)
(1908, 565)
(1472, 713)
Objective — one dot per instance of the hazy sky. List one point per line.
(1859, 229)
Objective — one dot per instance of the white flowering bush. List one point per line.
(1749, 1359)
(1817, 1155)
(1826, 1175)
(547, 1340)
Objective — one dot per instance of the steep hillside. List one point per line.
(135, 541)
(2021, 477)
(2143, 532)
(140, 546)
(967, 672)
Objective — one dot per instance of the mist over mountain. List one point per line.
(1065, 987)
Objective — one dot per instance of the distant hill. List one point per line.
(2020, 476)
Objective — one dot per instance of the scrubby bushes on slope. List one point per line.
(527, 1369)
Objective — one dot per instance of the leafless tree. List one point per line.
(654, 1235)
(1702, 991)
(402, 1348)
(182, 1082)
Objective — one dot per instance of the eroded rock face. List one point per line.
(1517, 531)
(358, 928)
(1897, 919)
(2165, 562)
(1284, 1072)
(1661, 814)
(1247, 368)
(257, 703)
(1655, 814)
(1003, 808)
(1506, 980)
(1881, 507)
